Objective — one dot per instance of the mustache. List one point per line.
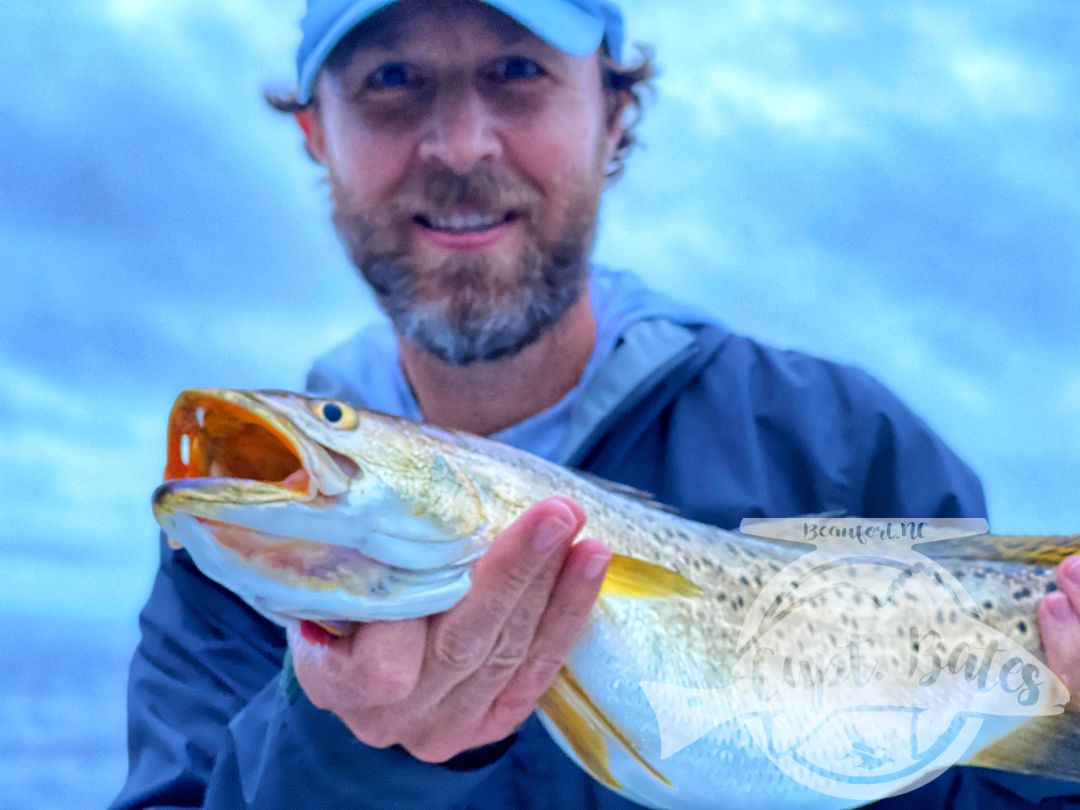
(485, 188)
(379, 232)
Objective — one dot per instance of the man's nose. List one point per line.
(462, 132)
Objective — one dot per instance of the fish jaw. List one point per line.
(370, 519)
(288, 578)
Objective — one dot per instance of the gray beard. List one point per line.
(466, 326)
(466, 311)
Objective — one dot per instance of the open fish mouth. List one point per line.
(234, 435)
(249, 494)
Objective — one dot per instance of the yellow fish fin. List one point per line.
(1044, 550)
(637, 579)
(585, 727)
(1043, 746)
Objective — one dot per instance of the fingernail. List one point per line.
(1059, 607)
(552, 531)
(596, 565)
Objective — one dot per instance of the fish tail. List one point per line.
(1043, 550)
(1043, 746)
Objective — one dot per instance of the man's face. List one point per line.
(466, 159)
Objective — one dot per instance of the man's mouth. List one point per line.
(464, 223)
(465, 230)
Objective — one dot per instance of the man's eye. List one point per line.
(516, 68)
(392, 76)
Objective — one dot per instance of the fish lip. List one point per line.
(205, 488)
(186, 417)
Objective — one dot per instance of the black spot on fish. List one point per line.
(1023, 593)
(720, 597)
(988, 605)
(1051, 587)
(739, 602)
(744, 582)
(1021, 626)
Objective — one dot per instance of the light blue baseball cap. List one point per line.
(576, 27)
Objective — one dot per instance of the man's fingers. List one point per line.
(463, 637)
(1068, 580)
(378, 665)
(567, 614)
(473, 696)
(386, 659)
(1059, 623)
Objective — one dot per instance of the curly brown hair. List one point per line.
(629, 84)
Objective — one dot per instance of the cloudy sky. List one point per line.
(893, 185)
(888, 184)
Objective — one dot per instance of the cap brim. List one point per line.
(309, 70)
(562, 25)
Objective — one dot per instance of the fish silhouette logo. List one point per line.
(863, 669)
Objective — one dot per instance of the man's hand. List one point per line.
(1059, 623)
(444, 684)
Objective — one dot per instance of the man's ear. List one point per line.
(311, 126)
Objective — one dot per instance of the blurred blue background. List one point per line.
(893, 185)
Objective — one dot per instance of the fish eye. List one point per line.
(336, 414)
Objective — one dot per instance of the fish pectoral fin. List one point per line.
(586, 728)
(637, 579)
(1043, 746)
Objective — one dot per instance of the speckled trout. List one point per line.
(718, 669)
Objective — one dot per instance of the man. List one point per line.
(467, 145)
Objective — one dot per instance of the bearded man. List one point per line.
(467, 145)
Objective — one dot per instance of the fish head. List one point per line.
(311, 508)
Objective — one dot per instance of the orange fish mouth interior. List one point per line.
(211, 437)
